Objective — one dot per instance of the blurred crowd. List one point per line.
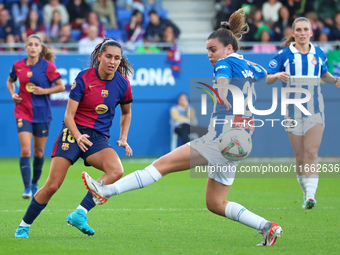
(86, 22)
(271, 20)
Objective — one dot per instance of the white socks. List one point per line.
(237, 212)
(308, 185)
(24, 224)
(83, 208)
(303, 184)
(312, 185)
(136, 180)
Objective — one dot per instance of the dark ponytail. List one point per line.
(231, 31)
(124, 67)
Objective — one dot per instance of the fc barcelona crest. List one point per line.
(29, 74)
(105, 93)
(65, 146)
(20, 124)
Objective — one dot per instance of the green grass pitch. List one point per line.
(169, 217)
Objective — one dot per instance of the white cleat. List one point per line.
(269, 237)
(95, 188)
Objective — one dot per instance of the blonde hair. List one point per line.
(232, 31)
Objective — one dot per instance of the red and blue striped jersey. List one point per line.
(34, 108)
(98, 99)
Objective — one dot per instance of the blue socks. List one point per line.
(37, 169)
(33, 210)
(88, 202)
(25, 168)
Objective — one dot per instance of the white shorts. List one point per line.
(300, 126)
(220, 169)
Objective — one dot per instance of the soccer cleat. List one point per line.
(34, 188)
(78, 219)
(22, 232)
(269, 237)
(27, 194)
(310, 203)
(95, 189)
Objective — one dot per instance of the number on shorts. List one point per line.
(69, 136)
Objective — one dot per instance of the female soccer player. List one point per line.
(229, 67)
(301, 65)
(36, 74)
(90, 110)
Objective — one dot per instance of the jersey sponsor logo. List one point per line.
(273, 63)
(105, 93)
(258, 69)
(29, 74)
(65, 146)
(221, 67)
(30, 87)
(74, 85)
(93, 85)
(20, 124)
(314, 61)
(101, 109)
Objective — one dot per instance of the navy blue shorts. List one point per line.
(37, 129)
(67, 147)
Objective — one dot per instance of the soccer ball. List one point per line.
(235, 144)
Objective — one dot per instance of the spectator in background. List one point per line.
(64, 37)
(20, 11)
(33, 26)
(52, 29)
(270, 11)
(78, 11)
(316, 25)
(183, 119)
(7, 28)
(106, 12)
(323, 43)
(152, 5)
(326, 10)
(55, 5)
(155, 29)
(298, 8)
(281, 24)
(335, 31)
(256, 25)
(130, 5)
(135, 30)
(93, 20)
(87, 44)
(265, 46)
(223, 11)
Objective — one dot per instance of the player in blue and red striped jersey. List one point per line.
(86, 129)
(301, 65)
(36, 74)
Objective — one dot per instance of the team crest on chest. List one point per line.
(65, 146)
(105, 93)
(314, 61)
(29, 74)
